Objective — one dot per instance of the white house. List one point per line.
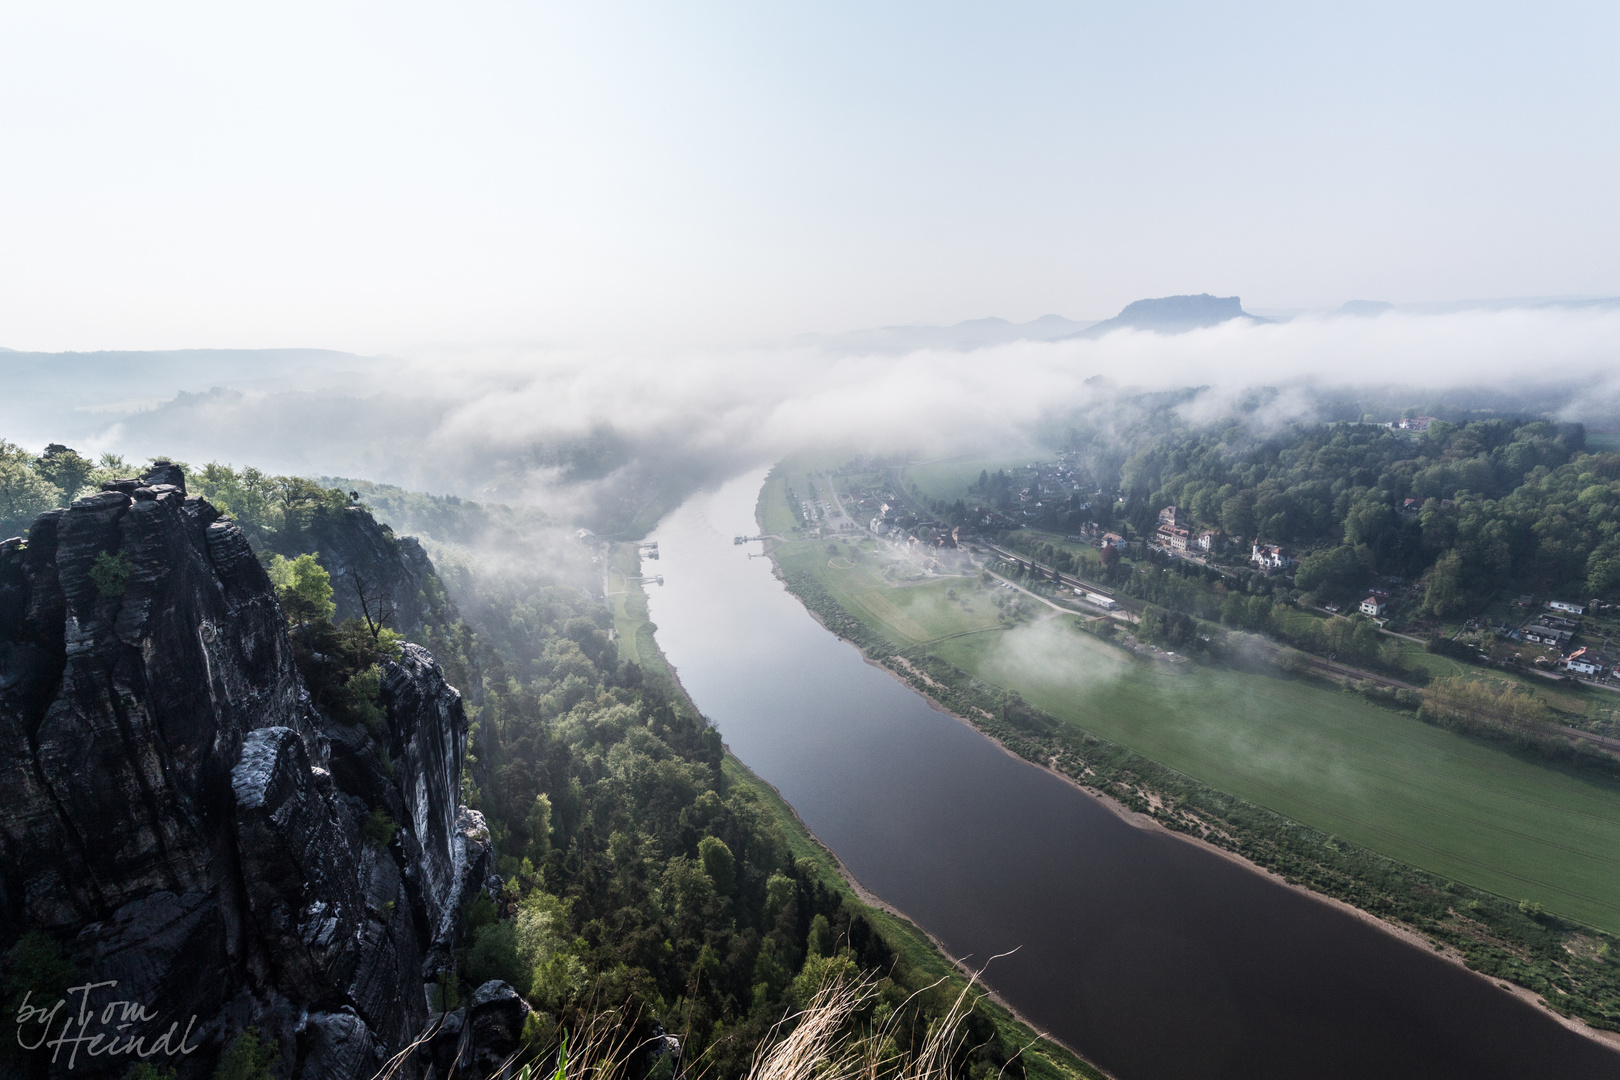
(1269, 556)
(1373, 607)
(1584, 662)
(1546, 635)
(1565, 605)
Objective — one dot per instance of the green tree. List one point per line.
(538, 824)
(24, 494)
(1603, 571)
(247, 1059)
(146, 1070)
(303, 587)
(297, 499)
(1237, 515)
(820, 941)
(1336, 572)
(66, 469)
(33, 966)
(718, 863)
(248, 496)
(109, 573)
(1446, 595)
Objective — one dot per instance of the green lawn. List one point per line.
(1329, 759)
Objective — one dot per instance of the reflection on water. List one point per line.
(1151, 956)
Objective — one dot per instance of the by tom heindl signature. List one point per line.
(112, 1026)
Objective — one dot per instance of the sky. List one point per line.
(388, 177)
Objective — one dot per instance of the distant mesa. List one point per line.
(1173, 315)
(1365, 308)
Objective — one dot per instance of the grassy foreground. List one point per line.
(1043, 1059)
(1466, 842)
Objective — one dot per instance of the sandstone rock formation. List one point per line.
(364, 556)
(181, 819)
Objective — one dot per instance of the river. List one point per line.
(1151, 956)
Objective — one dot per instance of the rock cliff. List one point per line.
(180, 819)
(365, 557)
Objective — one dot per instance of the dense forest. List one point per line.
(1495, 504)
(1474, 508)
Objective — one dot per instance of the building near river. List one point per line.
(1270, 556)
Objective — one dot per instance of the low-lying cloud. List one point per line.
(577, 430)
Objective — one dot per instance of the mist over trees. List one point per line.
(1476, 506)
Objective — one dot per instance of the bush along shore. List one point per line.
(1574, 969)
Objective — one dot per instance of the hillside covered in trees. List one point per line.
(1475, 507)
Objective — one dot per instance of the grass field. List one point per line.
(1329, 759)
(628, 603)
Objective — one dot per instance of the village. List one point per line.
(938, 537)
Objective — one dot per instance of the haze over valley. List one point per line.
(870, 542)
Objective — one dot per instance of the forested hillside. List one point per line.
(1495, 504)
(1475, 507)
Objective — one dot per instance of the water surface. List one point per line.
(1153, 957)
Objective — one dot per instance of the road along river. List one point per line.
(1150, 955)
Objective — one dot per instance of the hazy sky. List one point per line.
(387, 176)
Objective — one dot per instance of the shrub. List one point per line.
(247, 1059)
(110, 573)
(303, 587)
(379, 829)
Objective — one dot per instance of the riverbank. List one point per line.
(1044, 1057)
(1564, 966)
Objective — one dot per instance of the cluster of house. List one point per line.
(941, 535)
(1413, 423)
(1554, 628)
(1175, 533)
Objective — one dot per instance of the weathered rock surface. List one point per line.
(181, 819)
(364, 557)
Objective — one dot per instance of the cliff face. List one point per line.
(365, 558)
(184, 822)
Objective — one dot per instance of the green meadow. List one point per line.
(1328, 758)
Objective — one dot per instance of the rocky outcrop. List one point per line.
(367, 560)
(482, 1039)
(183, 821)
